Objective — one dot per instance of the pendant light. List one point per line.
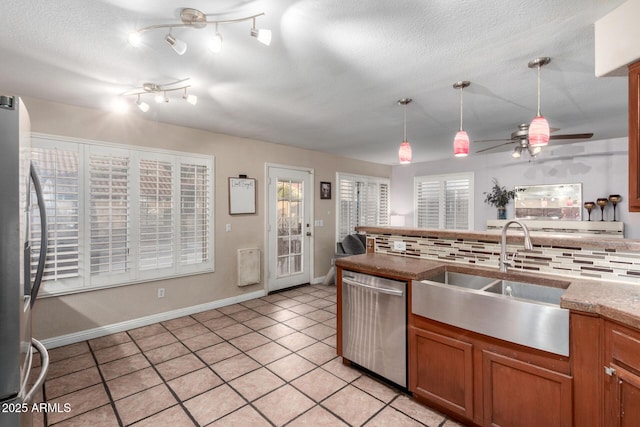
(539, 127)
(404, 153)
(461, 141)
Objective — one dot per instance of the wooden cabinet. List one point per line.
(516, 393)
(622, 375)
(487, 381)
(634, 137)
(441, 370)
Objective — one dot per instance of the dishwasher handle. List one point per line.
(394, 292)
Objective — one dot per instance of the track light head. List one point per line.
(191, 99)
(143, 106)
(135, 39)
(215, 44)
(263, 36)
(177, 45)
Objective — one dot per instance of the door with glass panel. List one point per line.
(289, 229)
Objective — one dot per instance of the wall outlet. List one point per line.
(227, 227)
(160, 292)
(399, 246)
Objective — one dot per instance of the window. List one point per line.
(444, 201)
(362, 200)
(121, 215)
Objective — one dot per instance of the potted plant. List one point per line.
(499, 197)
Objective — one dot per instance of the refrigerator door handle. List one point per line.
(44, 368)
(43, 235)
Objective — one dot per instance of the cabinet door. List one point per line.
(625, 391)
(519, 394)
(634, 137)
(441, 370)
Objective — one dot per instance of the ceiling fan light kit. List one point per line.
(539, 127)
(461, 140)
(532, 137)
(193, 18)
(404, 153)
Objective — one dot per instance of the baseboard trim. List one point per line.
(101, 331)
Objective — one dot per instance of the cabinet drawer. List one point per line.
(625, 345)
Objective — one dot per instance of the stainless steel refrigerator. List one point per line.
(19, 284)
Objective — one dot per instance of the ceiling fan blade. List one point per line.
(572, 136)
(495, 146)
(494, 140)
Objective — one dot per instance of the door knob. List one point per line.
(308, 233)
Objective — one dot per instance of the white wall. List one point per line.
(600, 165)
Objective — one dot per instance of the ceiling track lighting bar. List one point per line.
(160, 91)
(193, 18)
(196, 23)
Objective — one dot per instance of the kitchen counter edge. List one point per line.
(616, 301)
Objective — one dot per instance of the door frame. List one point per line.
(311, 193)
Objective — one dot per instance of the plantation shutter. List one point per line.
(428, 204)
(362, 201)
(195, 211)
(58, 173)
(156, 214)
(444, 201)
(456, 202)
(109, 221)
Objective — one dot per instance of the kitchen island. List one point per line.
(477, 378)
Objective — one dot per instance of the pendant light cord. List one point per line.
(405, 122)
(538, 90)
(461, 89)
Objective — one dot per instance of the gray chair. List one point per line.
(353, 244)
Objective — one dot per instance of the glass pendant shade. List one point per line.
(461, 144)
(539, 132)
(404, 153)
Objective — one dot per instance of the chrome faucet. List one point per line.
(504, 262)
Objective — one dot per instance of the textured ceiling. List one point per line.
(331, 77)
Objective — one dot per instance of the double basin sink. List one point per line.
(523, 313)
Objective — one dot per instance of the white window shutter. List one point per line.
(58, 173)
(109, 221)
(156, 215)
(362, 201)
(195, 211)
(444, 201)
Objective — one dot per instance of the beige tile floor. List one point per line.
(265, 362)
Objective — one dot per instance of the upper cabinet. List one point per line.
(634, 137)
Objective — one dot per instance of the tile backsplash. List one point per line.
(568, 261)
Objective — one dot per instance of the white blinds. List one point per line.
(444, 201)
(122, 215)
(156, 214)
(194, 213)
(362, 200)
(109, 213)
(58, 172)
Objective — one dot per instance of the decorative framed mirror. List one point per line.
(549, 201)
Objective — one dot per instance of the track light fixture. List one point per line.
(159, 92)
(193, 18)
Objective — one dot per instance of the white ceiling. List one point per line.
(334, 71)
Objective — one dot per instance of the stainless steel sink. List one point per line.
(527, 291)
(469, 281)
(523, 313)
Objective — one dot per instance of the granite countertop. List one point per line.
(615, 301)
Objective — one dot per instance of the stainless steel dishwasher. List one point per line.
(374, 324)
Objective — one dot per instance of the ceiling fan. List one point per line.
(521, 138)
